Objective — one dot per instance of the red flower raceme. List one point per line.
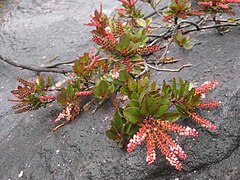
(66, 112)
(45, 98)
(170, 156)
(84, 93)
(183, 131)
(153, 133)
(205, 87)
(97, 19)
(151, 153)
(202, 121)
(137, 139)
(221, 3)
(212, 104)
(128, 2)
(92, 64)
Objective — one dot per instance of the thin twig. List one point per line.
(68, 62)
(143, 72)
(198, 28)
(212, 26)
(59, 64)
(169, 70)
(170, 42)
(154, 8)
(155, 12)
(33, 68)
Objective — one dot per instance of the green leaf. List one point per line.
(174, 84)
(124, 76)
(134, 96)
(125, 90)
(188, 46)
(141, 22)
(70, 91)
(132, 114)
(127, 127)
(111, 134)
(147, 105)
(132, 85)
(154, 86)
(170, 116)
(134, 129)
(231, 19)
(162, 109)
(143, 84)
(49, 81)
(118, 119)
(41, 82)
(189, 94)
(133, 103)
(124, 41)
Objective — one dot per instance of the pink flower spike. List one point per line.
(224, 6)
(174, 161)
(120, 10)
(45, 98)
(205, 105)
(202, 121)
(92, 64)
(125, 2)
(137, 139)
(205, 3)
(183, 131)
(151, 153)
(84, 93)
(231, 1)
(206, 86)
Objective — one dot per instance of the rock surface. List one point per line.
(37, 31)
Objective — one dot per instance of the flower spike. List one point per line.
(205, 87)
(202, 121)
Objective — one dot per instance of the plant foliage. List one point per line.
(145, 112)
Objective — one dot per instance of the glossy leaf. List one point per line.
(132, 114)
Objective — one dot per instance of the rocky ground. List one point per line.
(34, 32)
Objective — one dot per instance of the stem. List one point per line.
(170, 70)
(33, 68)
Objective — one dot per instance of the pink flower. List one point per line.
(45, 98)
(66, 112)
(92, 64)
(151, 153)
(120, 10)
(202, 121)
(222, 5)
(137, 139)
(206, 86)
(128, 2)
(183, 131)
(206, 3)
(212, 104)
(84, 93)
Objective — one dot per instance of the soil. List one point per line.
(33, 32)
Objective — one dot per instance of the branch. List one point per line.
(170, 70)
(68, 62)
(172, 38)
(213, 26)
(198, 28)
(155, 12)
(33, 68)
(143, 72)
